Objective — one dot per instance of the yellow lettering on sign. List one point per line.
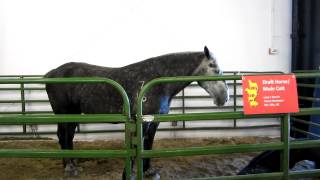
(252, 92)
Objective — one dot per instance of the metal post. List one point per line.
(129, 146)
(23, 105)
(234, 100)
(285, 138)
(183, 108)
(139, 149)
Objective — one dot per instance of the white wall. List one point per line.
(38, 35)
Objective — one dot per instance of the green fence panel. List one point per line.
(284, 146)
(128, 153)
(138, 152)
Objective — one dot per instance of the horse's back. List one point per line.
(74, 69)
(81, 98)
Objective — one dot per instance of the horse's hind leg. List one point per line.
(65, 134)
(61, 104)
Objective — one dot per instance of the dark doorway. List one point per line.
(305, 50)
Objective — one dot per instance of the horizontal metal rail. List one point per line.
(262, 176)
(312, 99)
(19, 89)
(175, 129)
(203, 107)
(32, 153)
(302, 144)
(305, 132)
(24, 101)
(27, 112)
(305, 122)
(226, 149)
(200, 97)
(223, 115)
(65, 118)
(21, 76)
(305, 173)
(308, 85)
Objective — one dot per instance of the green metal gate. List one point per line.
(127, 153)
(284, 145)
(136, 152)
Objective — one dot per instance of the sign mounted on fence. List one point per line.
(269, 94)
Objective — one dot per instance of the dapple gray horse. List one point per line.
(101, 98)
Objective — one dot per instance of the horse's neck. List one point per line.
(182, 66)
(163, 66)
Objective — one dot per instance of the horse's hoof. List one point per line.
(152, 174)
(72, 170)
(132, 177)
(71, 174)
(156, 176)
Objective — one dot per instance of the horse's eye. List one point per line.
(212, 65)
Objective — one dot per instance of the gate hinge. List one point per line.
(131, 127)
(134, 140)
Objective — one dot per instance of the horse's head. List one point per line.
(218, 90)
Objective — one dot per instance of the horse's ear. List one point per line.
(207, 52)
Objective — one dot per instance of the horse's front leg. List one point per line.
(65, 134)
(149, 131)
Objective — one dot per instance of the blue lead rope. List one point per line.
(164, 105)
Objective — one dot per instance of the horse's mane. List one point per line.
(174, 64)
(178, 56)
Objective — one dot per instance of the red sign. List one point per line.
(269, 94)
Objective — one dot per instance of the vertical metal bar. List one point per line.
(139, 135)
(128, 143)
(183, 108)
(140, 147)
(23, 104)
(285, 138)
(234, 100)
(128, 134)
